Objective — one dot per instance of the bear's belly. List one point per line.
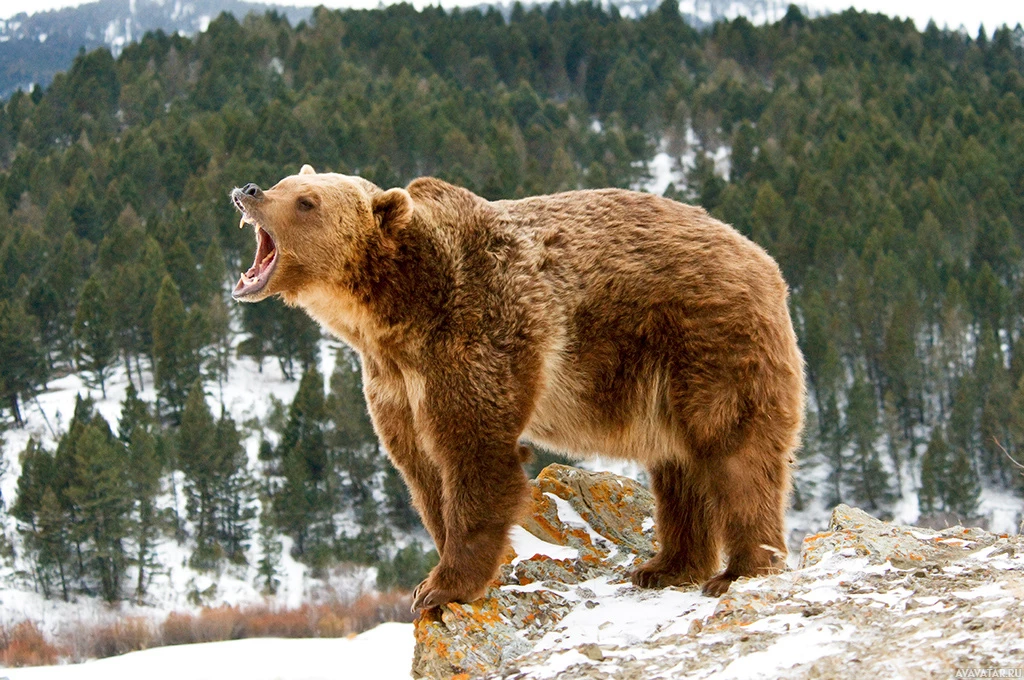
(564, 420)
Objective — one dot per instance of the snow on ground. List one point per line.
(384, 653)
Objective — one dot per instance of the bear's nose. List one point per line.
(251, 189)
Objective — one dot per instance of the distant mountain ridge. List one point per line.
(35, 47)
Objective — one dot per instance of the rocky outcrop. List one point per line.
(868, 598)
(582, 526)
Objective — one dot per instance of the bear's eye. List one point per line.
(305, 204)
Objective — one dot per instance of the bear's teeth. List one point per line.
(241, 222)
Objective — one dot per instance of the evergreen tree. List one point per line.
(213, 272)
(934, 463)
(218, 355)
(134, 415)
(869, 477)
(234, 491)
(23, 367)
(295, 337)
(145, 470)
(42, 520)
(102, 499)
(304, 502)
(200, 462)
(175, 362)
(963, 489)
(270, 550)
(94, 333)
(144, 481)
(51, 543)
(181, 266)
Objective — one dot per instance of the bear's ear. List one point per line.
(392, 209)
(307, 170)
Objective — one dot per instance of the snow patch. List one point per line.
(798, 648)
(384, 652)
(527, 546)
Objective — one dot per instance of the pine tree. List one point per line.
(94, 332)
(144, 480)
(258, 321)
(870, 479)
(42, 520)
(200, 463)
(352, 439)
(176, 367)
(963, 488)
(234, 492)
(304, 503)
(934, 463)
(895, 439)
(834, 440)
(134, 415)
(51, 543)
(151, 276)
(181, 266)
(23, 367)
(145, 470)
(295, 337)
(213, 272)
(270, 550)
(218, 356)
(102, 502)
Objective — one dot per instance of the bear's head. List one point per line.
(312, 228)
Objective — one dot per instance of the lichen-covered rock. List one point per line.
(853, 533)
(870, 598)
(581, 525)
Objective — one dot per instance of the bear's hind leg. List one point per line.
(751, 488)
(687, 528)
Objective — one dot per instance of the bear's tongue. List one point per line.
(256, 278)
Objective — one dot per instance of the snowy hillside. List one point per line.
(177, 587)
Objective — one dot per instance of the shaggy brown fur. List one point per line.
(592, 322)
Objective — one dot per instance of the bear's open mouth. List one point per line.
(258, 275)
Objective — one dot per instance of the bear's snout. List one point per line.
(252, 190)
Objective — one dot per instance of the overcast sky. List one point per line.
(951, 13)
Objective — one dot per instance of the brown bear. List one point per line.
(590, 322)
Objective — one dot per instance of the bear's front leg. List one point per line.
(473, 439)
(393, 419)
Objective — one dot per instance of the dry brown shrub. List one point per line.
(285, 623)
(177, 629)
(219, 623)
(25, 645)
(123, 636)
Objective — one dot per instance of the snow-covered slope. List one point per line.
(176, 586)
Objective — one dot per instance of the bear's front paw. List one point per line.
(443, 586)
(656, 574)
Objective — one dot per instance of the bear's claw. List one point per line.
(428, 597)
(718, 585)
